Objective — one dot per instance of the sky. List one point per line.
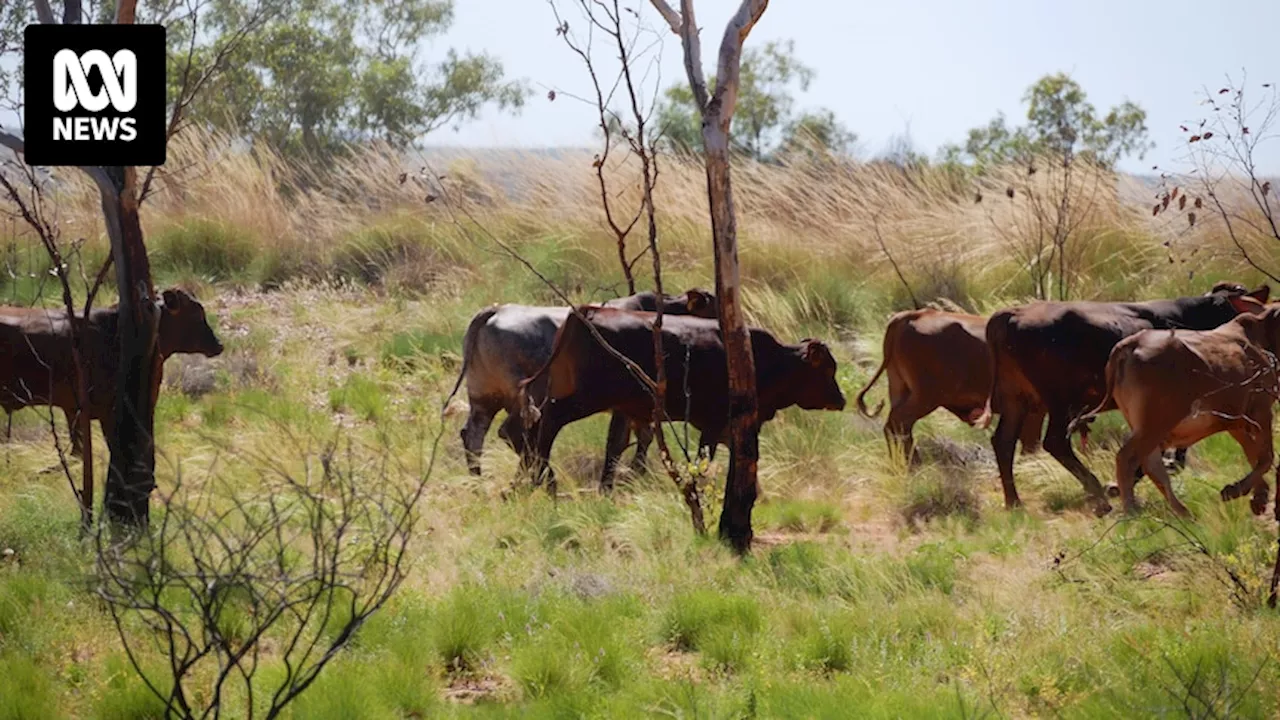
(934, 68)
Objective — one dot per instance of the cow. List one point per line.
(583, 378)
(935, 359)
(1177, 387)
(504, 344)
(37, 366)
(1052, 356)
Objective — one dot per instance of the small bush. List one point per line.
(26, 692)
(826, 644)
(408, 348)
(800, 515)
(933, 565)
(360, 395)
(694, 617)
(401, 253)
(548, 667)
(931, 493)
(126, 697)
(210, 248)
(373, 688)
(464, 626)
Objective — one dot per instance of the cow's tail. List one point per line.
(1114, 369)
(889, 335)
(997, 337)
(469, 340)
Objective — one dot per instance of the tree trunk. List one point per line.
(741, 487)
(131, 474)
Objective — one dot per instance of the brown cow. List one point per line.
(1053, 355)
(936, 359)
(506, 343)
(36, 366)
(1177, 387)
(582, 378)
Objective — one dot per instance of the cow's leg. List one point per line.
(473, 432)
(1130, 457)
(1004, 442)
(644, 437)
(1179, 459)
(616, 442)
(708, 445)
(1257, 446)
(73, 429)
(1032, 427)
(1057, 441)
(904, 414)
(1154, 465)
(542, 436)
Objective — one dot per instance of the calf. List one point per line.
(583, 378)
(506, 343)
(37, 367)
(936, 359)
(1053, 355)
(1177, 387)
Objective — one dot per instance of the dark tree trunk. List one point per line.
(741, 487)
(131, 474)
(716, 109)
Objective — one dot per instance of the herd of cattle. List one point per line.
(1178, 370)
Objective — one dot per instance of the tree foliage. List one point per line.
(1060, 122)
(327, 72)
(317, 73)
(765, 125)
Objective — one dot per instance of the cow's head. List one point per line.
(700, 303)
(1228, 287)
(1263, 328)
(815, 386)
(1245, 302)
(183, 326)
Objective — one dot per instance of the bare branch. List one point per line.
(668, 14)
(735, 34)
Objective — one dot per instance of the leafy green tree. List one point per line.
(1060, 122)
(326, 71)
(311, 75)
(815, 135)
(765, 124)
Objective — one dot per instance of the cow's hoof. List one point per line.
(1258, 505)
(1113, 491)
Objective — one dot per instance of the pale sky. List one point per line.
(937, 66)
(941, 66)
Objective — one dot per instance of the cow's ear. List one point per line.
(1262, 294)
(697, 301)
(172, 300)
(1245, 304)
(812, 352)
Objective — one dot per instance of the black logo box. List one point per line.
(42, 42)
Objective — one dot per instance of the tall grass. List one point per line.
(812, 235)
(872, 592)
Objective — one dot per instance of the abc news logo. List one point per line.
(95, 94)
